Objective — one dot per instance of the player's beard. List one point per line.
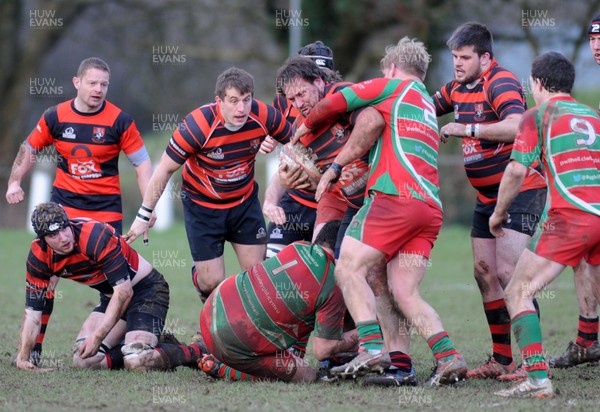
(472, 78)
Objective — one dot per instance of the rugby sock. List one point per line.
(401, 361)
(441, 346)
(537, 308)
(185, 355)
(369, 336)
(299, 348)
(528, 332)
(227, 372)
(498, 320)
(114, 358)
(587, 331)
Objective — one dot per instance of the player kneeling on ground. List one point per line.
(134, 297)
(252, 320)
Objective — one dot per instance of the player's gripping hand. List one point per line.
(268, 145)
(299, 132)
(293, 177)
(274, 213)
(496, 221)
(89, 347)
(328, 178)
(15, 193)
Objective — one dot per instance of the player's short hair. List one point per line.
(328, 234)
(595, 26)
(92, 63)
(234, 77)
(472, 34)
(409, 55)
(297, 67)
(320, 53)
(48, 218)
(554, 71)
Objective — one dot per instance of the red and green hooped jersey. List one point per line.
(404, 160)
(565, 134)
(271, 306)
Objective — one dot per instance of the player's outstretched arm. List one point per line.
(30, 327)
(21, 166)
(154, 190)
(143, 173)
(368, 128)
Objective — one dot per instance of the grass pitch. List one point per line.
(448, 286)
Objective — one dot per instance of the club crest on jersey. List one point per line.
(69, 133)
(338, 131)
(479, 111)
(456, 115)
(216, 154)
(254, 145)
(98, 134)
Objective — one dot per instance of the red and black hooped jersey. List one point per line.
(88, 146)
(497, 95)
(286, 108)
(100, 259)
(219, 163)
(326, 142)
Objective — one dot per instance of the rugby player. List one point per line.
(134, 297)
(291, 212)
(402, 215)
(565, 136)
(488, 102)
(586, 347)
(252, 320)
(88, 133)
(217, 145)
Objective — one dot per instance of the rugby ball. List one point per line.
(299, 155)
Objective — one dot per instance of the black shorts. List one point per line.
(299, 225)
(208, 229)
(524, 214)
(350, 212)
(148, 307)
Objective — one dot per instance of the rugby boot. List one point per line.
(391, 377)
(449, 371)
(362, 364)
(528, 389)
(520, 374)
(576, 355)
(491, 370)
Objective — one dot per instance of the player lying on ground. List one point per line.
(252, 320)
(134, 297)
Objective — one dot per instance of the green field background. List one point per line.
(448, 286)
